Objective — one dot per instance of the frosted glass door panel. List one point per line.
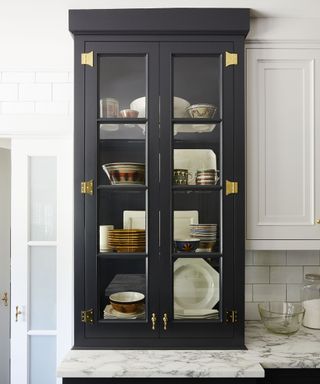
(43, 198)
(42, 363)
(42, 285)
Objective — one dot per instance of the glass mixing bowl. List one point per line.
(281, 317)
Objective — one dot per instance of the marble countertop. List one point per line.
(265, 350)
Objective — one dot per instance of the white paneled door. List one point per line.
(4, 264)
(41, 213)
(283, 182)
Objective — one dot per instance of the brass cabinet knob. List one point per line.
(318, 221)
(165, 321)
(18, 312)
(154, 321)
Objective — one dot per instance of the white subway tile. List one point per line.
(269, 292)
(286, 274)
(249, 258)
(35, 92)
(17, 108)
(294, 292)
(248, 292)
(62, 92)
(8, 92)
(302, 257)
(256, 274)
(18, 77)
(269, 257)
(311, 269)
(52, 77)
(52, 108)
(251, 311)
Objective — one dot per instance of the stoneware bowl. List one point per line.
(127, 302)
(186, 245)
(202, 111)
(129, 113)
(125, 173)
(281, 317)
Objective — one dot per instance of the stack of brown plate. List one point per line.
(127, 240)
(207, 177)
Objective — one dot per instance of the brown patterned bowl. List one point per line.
(127, 302)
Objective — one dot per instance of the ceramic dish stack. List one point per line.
(127, 240)
(207, 233)
(125, 173)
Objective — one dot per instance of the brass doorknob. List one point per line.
(165, 321)
(318, 221)
(5, 298)
(18, 312)
(154, 321)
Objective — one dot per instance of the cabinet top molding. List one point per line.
(157, 21)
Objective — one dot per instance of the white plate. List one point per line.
(194, 160)
(182, 221)
(196, 284)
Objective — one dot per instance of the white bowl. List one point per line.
(126, 297)
(180, 106)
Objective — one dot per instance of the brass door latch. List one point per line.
(154, 321)
(165, 321)
(5, 299)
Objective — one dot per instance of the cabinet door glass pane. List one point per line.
(122, 287)
(122, 86)
(42, 363)
(42, 304)
(196, 86)
(43, 198)
(196, 289)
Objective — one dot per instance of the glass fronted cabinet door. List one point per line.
(121, 218)
(197, 228)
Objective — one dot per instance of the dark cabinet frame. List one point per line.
(159, 32)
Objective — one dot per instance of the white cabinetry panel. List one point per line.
(282, 171)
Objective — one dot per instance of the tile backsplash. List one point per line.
(276, 276)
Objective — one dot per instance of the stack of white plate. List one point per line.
(111, 313)
(207, 233)
(196, 314)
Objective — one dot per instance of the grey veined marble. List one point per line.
(301, 350)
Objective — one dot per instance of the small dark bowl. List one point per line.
(186, 245)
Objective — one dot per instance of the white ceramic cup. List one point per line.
(103, 237)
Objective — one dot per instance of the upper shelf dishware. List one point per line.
(179, 106)
(281, 317)
(109, 107)
(129, 113)
(125, 173)
(186, 245)
(202, 111)
(127, 240)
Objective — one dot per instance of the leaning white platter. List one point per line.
(194, 160)
(196, 284)
(182, 221)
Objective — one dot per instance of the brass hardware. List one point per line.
(5, 299)
(165, 321)
(231, 187)
(87, 316)
(318, 221)
(87, 58)
(231, 58)
(87, 187)
(232, 316)
(154, 321)
(18, 312)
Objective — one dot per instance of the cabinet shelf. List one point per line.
(122, 256)
(195, 121)
(196, 255)
(123, 187)
(120, 120)
(197, 188)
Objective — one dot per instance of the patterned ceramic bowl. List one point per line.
(202, 111)
(186, 245)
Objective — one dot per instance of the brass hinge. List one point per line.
(231, 187)
(87, 58)
(232, 316)
(87, 316)
(231, 58)
(87, 187)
